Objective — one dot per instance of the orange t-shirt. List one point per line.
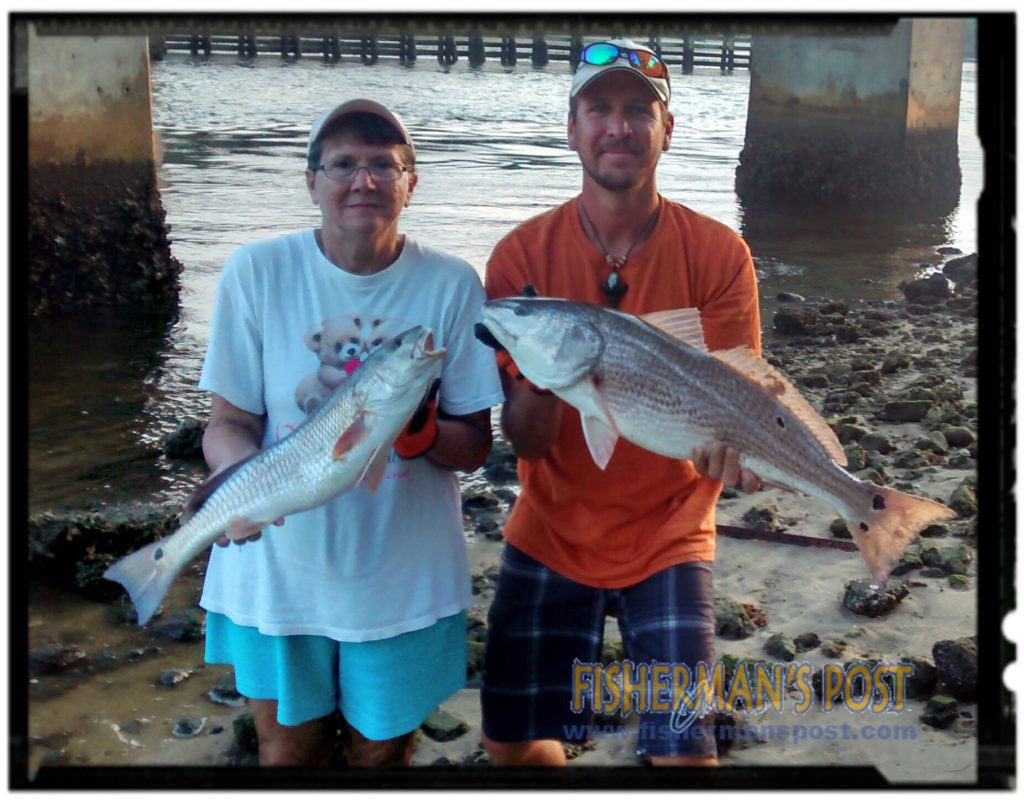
(644, 513)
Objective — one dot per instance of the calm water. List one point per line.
(491, 152)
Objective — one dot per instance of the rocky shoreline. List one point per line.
(895, 379)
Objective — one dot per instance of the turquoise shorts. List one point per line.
(383, 688)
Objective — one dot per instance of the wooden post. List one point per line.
(406, 49)
(575, 48)
(540, 56)
(655, 44)
(509, 54)
(157, 48)
(476, 51)
(446, 52)
(332, 49)
(732, 53)
(725, 48)
(687, 55)
(368, 49)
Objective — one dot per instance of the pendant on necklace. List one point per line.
(614, 288)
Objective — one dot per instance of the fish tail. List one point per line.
(146, 574)
(887, 525)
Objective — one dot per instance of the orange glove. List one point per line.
(506, 363)
(420, 433)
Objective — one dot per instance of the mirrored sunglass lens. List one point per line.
(601, 53)
(647, 63)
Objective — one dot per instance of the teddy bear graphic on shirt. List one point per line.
(341, 344)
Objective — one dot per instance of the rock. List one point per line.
(909, 561)
(869, 599)
(138, 654)
(940, 712)
(908, 411)
(188, 728)
(489, 529)
(732, 620)
(834, 649)
(849, 433)
(921, 681)
(54, 658)
(958, 436)
(951, 560)
(187, 626)
(876, 442)
(910, 459)
(813, 380)
(612, 651)
(484, 500)
(935, 442)
(855, 457)
(780, 647)
(500, 465)
(443, 726)
(959, 582)
(964, 501)
(790, 297)
(225, 692)
(186, 442)
(960, 459)
(65, 548)
(962, 270)
(895, 362)
(475, 651)
(574, 750)
(957, 665)
(935, 530)
(834, 308)
(764, 517)
(172, 677)
(947, 250)
(926, 290)
(838, 528)
(800, 320)
(806, 641)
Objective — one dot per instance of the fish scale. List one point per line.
(332, 450)
(630, 379)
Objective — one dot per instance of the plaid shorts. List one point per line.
(541, 622)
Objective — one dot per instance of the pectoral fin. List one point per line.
(375, 469)
(349, 438)
(599, 427)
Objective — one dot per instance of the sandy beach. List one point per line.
(847, 362)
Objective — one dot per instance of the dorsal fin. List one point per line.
(746, 361)
(202, 493)
(683, 324)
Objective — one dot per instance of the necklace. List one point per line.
(614, 287)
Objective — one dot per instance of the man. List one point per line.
(357, 605)
(636, 540)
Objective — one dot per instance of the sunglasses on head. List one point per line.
(602, 53)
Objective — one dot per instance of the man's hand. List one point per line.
(716, 460)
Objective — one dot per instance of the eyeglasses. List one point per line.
(382, 170)
(601, 54)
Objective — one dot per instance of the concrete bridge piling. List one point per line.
(855, 119)
(96, 232)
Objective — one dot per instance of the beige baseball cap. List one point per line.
(351, 107)
(586, 73)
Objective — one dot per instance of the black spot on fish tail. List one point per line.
(863, 527)
(878, 502)
(158, 554)
(781, 422)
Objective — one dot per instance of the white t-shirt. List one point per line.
(366, 565)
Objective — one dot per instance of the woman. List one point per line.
(357, 605)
